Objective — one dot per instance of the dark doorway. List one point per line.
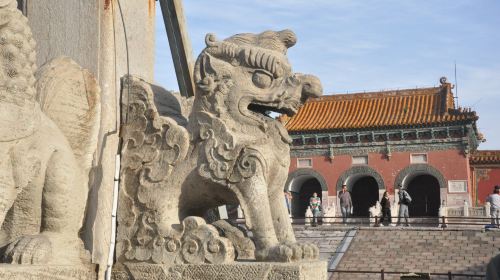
(364, 194)
(424, 192)
(300, 200)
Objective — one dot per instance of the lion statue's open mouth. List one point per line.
(284, 103)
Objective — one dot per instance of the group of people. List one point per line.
(404, 203)
(347, 209)
(346, 206)
(385, 203)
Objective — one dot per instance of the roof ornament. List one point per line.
(443, 80)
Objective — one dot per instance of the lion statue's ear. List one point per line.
(210, 67)
(207, 69)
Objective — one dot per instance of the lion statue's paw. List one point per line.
(288, 252)
(45, 248)
(28, 249)
(310, 251)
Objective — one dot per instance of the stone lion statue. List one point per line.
(48, 132)
(230, 152)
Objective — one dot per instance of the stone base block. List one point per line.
(47, 272)
(316, 270)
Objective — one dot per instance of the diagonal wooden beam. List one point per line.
(180, 46)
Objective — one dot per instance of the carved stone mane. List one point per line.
(17, 81)
(221, 118)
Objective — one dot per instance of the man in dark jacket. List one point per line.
(345, 203)
(404, 201)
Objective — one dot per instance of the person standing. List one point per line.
(345, 203)
(315, 204)
(494, 200)
(288, 202)
(404, 201)
(385, 203)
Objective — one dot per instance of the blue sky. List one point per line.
(357, 45)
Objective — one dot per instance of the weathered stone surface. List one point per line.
(50, 272)
(237, 271)
(46, 153)
(243, 245)
(172, 105)
(70, 97)
(230, 153)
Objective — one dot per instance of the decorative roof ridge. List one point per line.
(378, 94)
(485, 157)
(468, 112)
(480, 152)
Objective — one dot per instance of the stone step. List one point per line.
(421, 250)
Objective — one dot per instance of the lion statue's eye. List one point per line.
(262, 79)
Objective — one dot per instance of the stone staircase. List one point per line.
(419, 250)
(430, 250)
(327, 238)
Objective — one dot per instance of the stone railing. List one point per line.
(478, 212)
(444, 211)
(454, 211)
(465, 211)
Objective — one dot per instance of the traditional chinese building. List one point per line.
(376, 141)
(485, 170)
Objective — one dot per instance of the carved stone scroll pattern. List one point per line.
(152, 146)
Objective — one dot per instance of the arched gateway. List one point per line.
(424, 184)
(365, 185)
(302, 183)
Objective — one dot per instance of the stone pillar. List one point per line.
(330, 210)
(309, 216)
(395, 209)
(487, 209)
(92, 33)
(374, 213)
(325, 200)
(70, 28)
(466, 208)
(443, 212)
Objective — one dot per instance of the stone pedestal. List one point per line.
(316, 270)
(47, 272)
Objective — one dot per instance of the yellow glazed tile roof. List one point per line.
(399, 108)
(485, 157)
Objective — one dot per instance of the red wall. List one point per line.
(486, 182)
(451, 163)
